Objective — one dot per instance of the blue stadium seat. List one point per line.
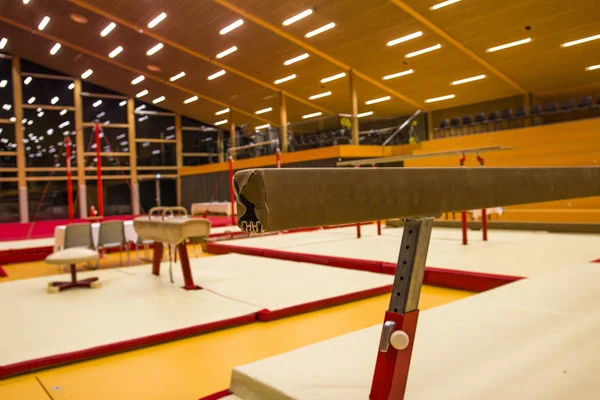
(536, 109)
(467, 120)
(520, 112)
(551, 108)
(455, 122)
(597, 102)
(480, 118)
(567, 105)
(585, 102)
(507, 114)
(493, 116)
(445, 124)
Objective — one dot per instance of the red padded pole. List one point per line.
(483, 211)
(69, 179)
(99, 173)
(463, 215)
(278, 158)
(231, 194)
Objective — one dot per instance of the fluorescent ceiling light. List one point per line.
(265, 126)
(592, 67)
(223, 121)
(190, 100)
(44, 23)
(467, 80)
(108, 29)
(50, 132)
(158, 100)
(63, 112)
(263, 111)
(26, 1)
(27, 80)
(3, 83)
(225, 111)
(138, 80)
(441, 98)
(7, 107)
(318, 96)
(102, 114)
(98, 103)
(365, 114)
(296, 59)
(297, 17)
(423, 51)
(322, 29)
(285, 79)
(71, 86)
(142, 93)
(64, 124)
(312, 115)
(115, 52)
(54, 100)
(579, 41)
(178, 76)
(378, 100)
(333, 77)
(398, 74)
(231, 27)
(3, 43)
(216, 75)
(507, 45)
(227, 52)
(442, 4)
(142, 119)
(55, 49)
(40, 114)
(30, 122)
(12, 119)
(31, 100)
(87, 74)
(154, 49)
(124, 102)
(157, 20)
(404, 38)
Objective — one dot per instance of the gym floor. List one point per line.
(197, 366)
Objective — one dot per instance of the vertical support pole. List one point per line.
(430, 125)
(135, 186)
(80, 149)
(483, 211)
(99, 173)
(178, 154)
(378, 221)
(69, 179)
(278, 158)
(284, 122)
(400, 323)
(21, 161)
(220, 147)
(231, 193)
(157, 190)
(463, 214)
(354, 107)
(231, 135)
(358, 231)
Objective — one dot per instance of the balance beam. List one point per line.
(289, 198)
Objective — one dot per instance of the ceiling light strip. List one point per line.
(317, 114)
(108, 29)
(55, 49)
(404, 38)
(296, 59)
(378, 100)
(297, 17)
(442, 4)
(44, 23)
(264, 110)
(178, 76)
(579, 41)
(592, 67)
(155, 49)
(227, 52)
(221, 112)
(467, 80)
(423, 51)
(441, 98)
(508, 45)
(285, 79)
(222, 122)
(365, 114)
(333, 77)
(116, 52)
(157, 20)
(398, 74)
(138, 80)
(158, 100)
(216, 75)
(322, 29)
(320, 95)
(231, 27)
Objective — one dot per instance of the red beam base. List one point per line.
(185, 264)
(378, 228)
(463, 217)
(86, 283)
(391, 368)
(3, 273)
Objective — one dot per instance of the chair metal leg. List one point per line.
(137, 250)
(120, 255)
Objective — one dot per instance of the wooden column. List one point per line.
(231, 134)
(178, 154)
(18, 113)
(220, 147)
(430, 125)
(135, 186)
(80, 149)
(284, 122)
(354, 109)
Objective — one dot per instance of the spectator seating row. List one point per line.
(509, 118)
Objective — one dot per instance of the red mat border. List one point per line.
(449, 278)
(3, 273)
(59, 359)
(268, 315)
(218, 395)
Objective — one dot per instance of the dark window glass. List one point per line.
(44, 137)
(116, 194)
(7, 143)
(112, 140)
(49, 200)
(104, 110)
(168, 193)
(47, 92)
(6, 91)
(9, 202)
(155, 154)
(155, 127)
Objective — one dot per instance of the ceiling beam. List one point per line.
(193, 53)
(314, 50)
(131, 69)
(468, 52)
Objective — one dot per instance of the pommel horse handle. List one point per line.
(400, 324)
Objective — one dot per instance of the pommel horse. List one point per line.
(280, 199)
(172, 225)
